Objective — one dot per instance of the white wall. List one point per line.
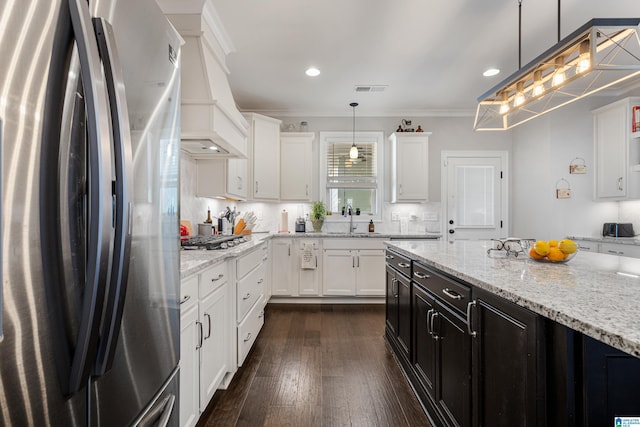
(542, 151)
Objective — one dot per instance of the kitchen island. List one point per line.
(595, 294)
(491, 339)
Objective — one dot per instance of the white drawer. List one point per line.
(248, 262)
(188, 293)
(248, 331)
(621, 250)
(212, 278)
(250, 289)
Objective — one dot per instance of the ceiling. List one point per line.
(429, 54)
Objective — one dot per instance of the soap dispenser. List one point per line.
(371, 226)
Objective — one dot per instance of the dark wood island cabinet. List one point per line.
(478, 358)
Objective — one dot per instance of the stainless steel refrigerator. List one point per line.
(89, 138)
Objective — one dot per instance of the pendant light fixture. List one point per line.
(600, 54)
(353, 152)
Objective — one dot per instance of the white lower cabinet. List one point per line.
(189, 354)
(353, 267)
(205, 344)
(307, 267)
(370, 272)
(252, 274)
(282, 267)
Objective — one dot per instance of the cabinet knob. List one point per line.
(451, 231)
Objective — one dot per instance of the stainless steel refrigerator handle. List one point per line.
(123, 188)
(100, 210)
(168, 410)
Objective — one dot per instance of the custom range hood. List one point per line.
(211, 125)
(602, 54)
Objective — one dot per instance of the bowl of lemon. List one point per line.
(554, 251)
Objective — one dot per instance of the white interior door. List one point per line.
(474, 195)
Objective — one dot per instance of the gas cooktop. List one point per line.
(214, 242)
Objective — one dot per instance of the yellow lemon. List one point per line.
(556, 254)
(553, 243)
(541, 247)
(568, 246)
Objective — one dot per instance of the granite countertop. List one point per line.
(618, 240)
(360, 235)
(193, 261)
(595, 294)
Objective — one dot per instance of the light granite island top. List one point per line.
(595, 294)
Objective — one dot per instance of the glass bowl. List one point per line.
(527, 246)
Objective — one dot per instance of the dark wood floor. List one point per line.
(318, 365)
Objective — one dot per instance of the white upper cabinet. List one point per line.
(222, 177)
(296, 156)
(409, 167)
(264, 155)
(617, 152)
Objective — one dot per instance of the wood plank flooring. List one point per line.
(318, 365)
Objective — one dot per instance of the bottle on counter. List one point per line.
(371, 226)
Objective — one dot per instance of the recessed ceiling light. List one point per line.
(312, 72)
(491, 72)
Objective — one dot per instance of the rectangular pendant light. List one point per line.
(600, 54)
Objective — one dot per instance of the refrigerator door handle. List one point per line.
(123, 188)
(99, 203)
(160, 414)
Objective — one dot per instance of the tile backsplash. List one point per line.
(410, 218)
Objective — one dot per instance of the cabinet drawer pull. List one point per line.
(469, 327)
(201, 334)
(451, 294)
(260, 281)
(248, 337)
(185, 299)
(420, 275)
(433, 332)
(261, 315)
(389, 256)
(247, 296)
(429, 313)
(209, 321)
(404, 265)
(215, 279)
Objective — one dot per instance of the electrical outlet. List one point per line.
(430, 216)
(395, 216)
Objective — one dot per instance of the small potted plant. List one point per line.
(318, 213)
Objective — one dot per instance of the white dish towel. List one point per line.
(308, 259)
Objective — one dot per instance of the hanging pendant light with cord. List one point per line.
(353, 152)
(603, 53)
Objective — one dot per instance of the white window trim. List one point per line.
(347, 136)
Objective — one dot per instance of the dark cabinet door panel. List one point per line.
(424, 351)
(505, 363)
(454, 366)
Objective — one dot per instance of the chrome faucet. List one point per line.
(349, 211)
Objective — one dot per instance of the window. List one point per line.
(355, 182)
